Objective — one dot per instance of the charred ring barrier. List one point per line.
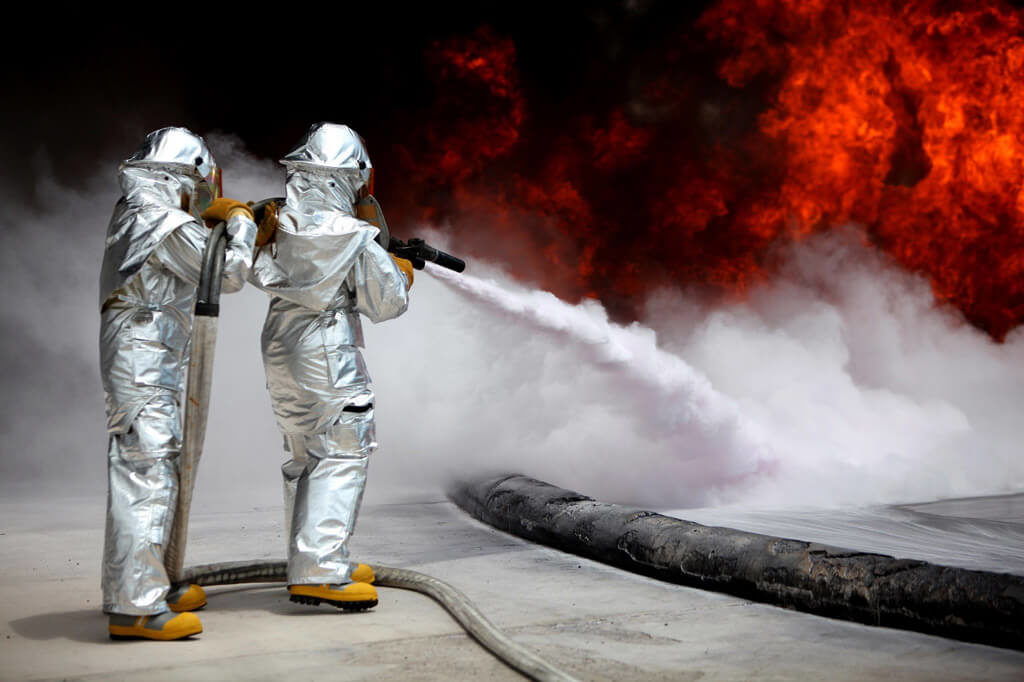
(204, 339)
(875, 589)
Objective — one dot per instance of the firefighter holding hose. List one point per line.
(151, 267)
(323, 271)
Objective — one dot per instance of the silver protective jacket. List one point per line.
(326, 271)
(148, 285)
(169, 165)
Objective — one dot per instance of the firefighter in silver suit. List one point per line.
(323, 271)
(151, 267)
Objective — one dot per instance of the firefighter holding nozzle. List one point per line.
(323, 269)
(151, 268)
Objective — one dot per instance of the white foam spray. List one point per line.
(841, 383)
(676, 405)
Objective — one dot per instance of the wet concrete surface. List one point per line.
(596, 622)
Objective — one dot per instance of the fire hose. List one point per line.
(200, 375)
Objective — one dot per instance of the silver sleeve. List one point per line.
(182, 252)
(238, 254)
(380, 287)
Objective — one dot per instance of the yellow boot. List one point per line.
(362, 574)
(186, 598)
(162, 626)
(351, 596)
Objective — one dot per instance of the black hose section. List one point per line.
(454, 602)
(212, 269)
(217, 271)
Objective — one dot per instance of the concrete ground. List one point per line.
(596, 622)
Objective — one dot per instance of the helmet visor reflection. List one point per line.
(209, 188)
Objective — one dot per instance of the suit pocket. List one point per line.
(345, 365)
(346, 369)
(156, 345)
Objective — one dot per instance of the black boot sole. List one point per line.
(345, 605)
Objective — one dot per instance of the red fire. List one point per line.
(478, 112)
(903, 117)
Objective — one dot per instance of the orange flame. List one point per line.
(903, 117)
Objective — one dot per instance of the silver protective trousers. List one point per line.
(143, 470)
(324, 482)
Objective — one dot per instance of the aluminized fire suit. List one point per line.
(147, 292)
(324, 271)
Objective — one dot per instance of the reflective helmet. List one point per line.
(182, 151)
(332, 147)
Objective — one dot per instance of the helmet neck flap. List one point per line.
(328, 170)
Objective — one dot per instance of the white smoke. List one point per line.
(839, 383)
(871, 392)
(51, 415)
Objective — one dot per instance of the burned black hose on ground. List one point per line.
(974, 606)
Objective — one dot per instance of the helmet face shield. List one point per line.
(209, 188)
(368, 187)
(179, 150)
(366, 169)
